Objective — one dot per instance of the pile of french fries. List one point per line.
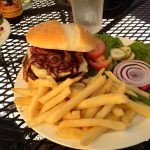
(82, 108)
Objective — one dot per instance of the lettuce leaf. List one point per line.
(141, 50)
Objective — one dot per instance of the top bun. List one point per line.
(54, 35)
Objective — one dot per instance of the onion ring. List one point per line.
(134, 72)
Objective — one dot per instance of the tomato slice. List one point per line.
(101, 64)
(100, 59)
(98, 51)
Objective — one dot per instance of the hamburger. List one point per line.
(56, 50)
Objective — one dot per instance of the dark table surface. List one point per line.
(134, 23)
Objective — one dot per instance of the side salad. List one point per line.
(129, 63)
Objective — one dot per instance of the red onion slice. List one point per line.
(134, 72)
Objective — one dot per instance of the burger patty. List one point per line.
(54, 62)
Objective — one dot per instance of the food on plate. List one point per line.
(56, 50)
(88, 113)
(81, 107)
(134, 72)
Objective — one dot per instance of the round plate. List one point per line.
(138, 131)
(6, 32)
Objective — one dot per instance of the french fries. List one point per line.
(22, 101)
(108, 123)
(139, 108)
(90, 113)
(105, 89)
(56, 100)
(24, 91)
(72, 115)
(70, 133)
(117, 111)
(43, 117)
(55, 91)
(74, 101)
(104, 111)
(35, 103)
(82, 108)
(43, 82)
(92, 135)
(128, 116)
(103, 99)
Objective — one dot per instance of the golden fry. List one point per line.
(70, 133)
(24, 91)
(55, 91)
(72, 115)
(44, 82)
(32, 110)
(128, 116)
(92, 135)
(104, 111)
(104, 99)
(107, 123)
(139, 108)
(22, 101)
(90, 113)
(75, 114)
(42, 117)
(57, 99)
(117, 111)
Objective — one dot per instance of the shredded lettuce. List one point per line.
(141, 50)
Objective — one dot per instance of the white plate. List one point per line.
(6, 32)
(138, 132)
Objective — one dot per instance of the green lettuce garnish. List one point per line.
(141, 50)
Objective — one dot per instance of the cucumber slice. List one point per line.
(127, 50)
(117, 53)
(132, 56)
